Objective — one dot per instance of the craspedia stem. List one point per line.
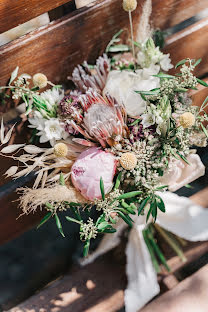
(132, 34)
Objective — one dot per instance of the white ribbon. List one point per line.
(182, 217)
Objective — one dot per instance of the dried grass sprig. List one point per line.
(33, 199)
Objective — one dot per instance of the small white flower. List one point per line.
(49, 129)
(52, 97)
(148, 120)
(165, 62)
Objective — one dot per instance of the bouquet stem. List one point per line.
(132, 34)
(171, 241)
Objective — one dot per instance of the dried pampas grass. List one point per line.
(32, 199)
(144, 30)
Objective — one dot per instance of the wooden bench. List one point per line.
(55, 50)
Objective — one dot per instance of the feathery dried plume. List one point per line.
(32, 199)
(144, 30)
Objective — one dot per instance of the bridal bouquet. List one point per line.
(125, 132)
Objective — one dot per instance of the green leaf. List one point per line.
(203, 83)
(124, 217)
(151, 251)
(103, 225)
(61, 179)
(129, 194)
(110, 230)
(160, 203)
(180, 90)
(204, 129)
(151, 92)
(162, 75)
(181, 62)
(102, 188)
(153, 203)
(49, 206)
(73, 220)
(86, 248)
(197, 62)
(161, 187)
(143, 204)
(135, 122)
(100, 219)
(188, 186)
(45, 219)
(59, 226)
(183, 157)
(119, 48)
(118, 181)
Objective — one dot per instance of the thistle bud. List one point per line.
(128, 161)
(61, 150)
(187, 120)
(129, 5)
(40, 80)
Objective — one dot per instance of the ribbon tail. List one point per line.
(142, 278)
(183, 217)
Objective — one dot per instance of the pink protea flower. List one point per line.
(85, 77)
(103, 120)
(87, 170)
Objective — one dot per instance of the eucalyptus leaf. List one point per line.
(203, 83)
(72, 220)
(86, 248)
(160, 203)
(130, 194)
(118, 181)
(183, 157)
(204, 129)
(124, 217)
(59, 226)
(119, 48)
(197, 62)
(102, 190)
(45, 219)
(143, 204)
(181, 62)
(162, 75)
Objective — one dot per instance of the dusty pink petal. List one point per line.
(181, 173)
(87, 170)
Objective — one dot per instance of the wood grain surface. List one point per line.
(168, 13)
(15, 12)
(192, 42)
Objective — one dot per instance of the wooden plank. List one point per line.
(168, 13)
(189, 295)
(14, 12)
(192, 42)
(57, 48)
(97, 287)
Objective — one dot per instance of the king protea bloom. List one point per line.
(103, 120)
(85, 77)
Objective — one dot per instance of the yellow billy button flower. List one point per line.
(128, 161)
(187, 120)
(40, 80)
(61, 150)
(129, 5)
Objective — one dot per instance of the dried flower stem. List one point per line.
(132, 34)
